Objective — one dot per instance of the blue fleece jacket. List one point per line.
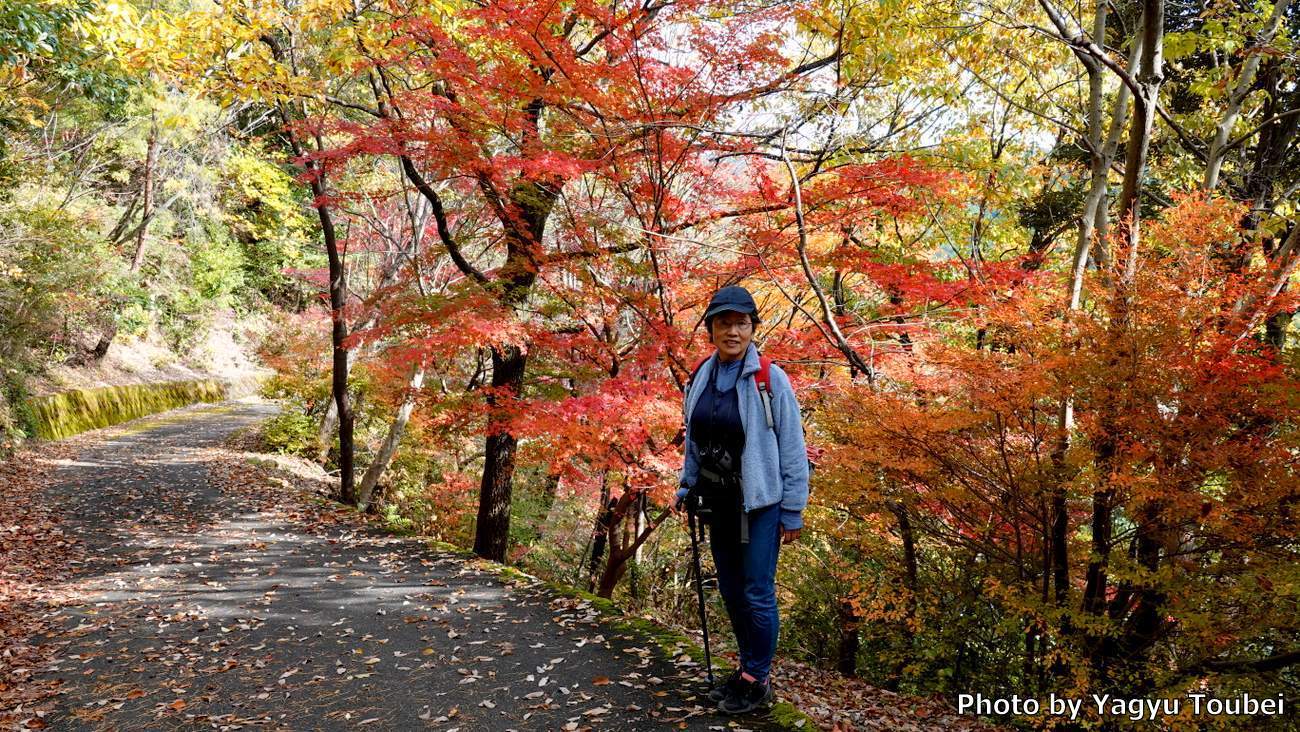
(774, 464)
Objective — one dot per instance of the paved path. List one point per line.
(203, 608)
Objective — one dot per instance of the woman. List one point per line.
(751, 475)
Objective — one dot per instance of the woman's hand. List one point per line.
(790, 535)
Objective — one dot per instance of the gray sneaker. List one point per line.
(746, 696)
(723, 687)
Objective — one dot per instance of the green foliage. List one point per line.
(1052, 208)
(58, 278)
(537, 526)
(193, 280)
(292, 432)
(262, 208)
(217, 265)
(47, 48)
(17, 421)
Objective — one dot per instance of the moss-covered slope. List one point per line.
(62, 415)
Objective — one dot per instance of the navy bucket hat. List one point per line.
(734, 298)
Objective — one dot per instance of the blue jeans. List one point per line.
(747, 582)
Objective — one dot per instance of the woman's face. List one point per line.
(731, 333)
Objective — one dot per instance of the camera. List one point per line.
(718, 486)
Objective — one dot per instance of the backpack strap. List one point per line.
(763, 379)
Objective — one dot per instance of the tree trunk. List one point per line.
(1146, 623)
(150, 166)
(549, 493)
(141, 232)
(1094, 223)
(1275, 329)
(329, 424)
(366, 498)
(330, 421)
(530, 206)
(615, 567)
(1093, 227)
(908, 537)
(599, 531)
(1240, 90)
(492, 532)
(1150, 75)
(119, 229)
(909, 550)
(1101, 645)
(846, 653)
(635, 529)
(338, 332)
(105, 340)
(625, 538)
(99, 350)
(338, 284)
(1029, 660)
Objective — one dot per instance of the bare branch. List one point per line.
(440, 218)
(827, 316)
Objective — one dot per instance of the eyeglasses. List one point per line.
(739, 326)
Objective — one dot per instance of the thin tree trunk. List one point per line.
(338, 290)
(1029, 660)
(1150, 76)
(1245, 81)
(618, 561)
(330, 421)
(365, 491)
(1250, 310)
(1276, 327)
(99, 350)
(338, 332)
(1094, 224)
(119, 229)
(105, 341)
(906, 533)
(1093, 231)
(832, 330)
(599, 531)
(532, 202)
(615, 568)
(638, 525)
(150, 166)
(1146, 97)
(549, 493)
(909, 555)
(1146, 622)
(329, 424)
(623, 550)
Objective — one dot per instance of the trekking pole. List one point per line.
(699, 590)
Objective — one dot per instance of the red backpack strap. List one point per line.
(763, 380)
